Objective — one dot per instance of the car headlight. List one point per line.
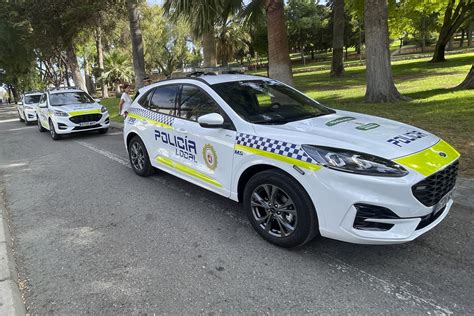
(354, 162)
(103, 109)
(61, 113)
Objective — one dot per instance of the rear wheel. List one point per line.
(279, 209)
(52, 131)
(40, 127)
(139, 158)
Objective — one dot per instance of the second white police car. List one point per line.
(26, 108)
(66, 111)
(299, 167)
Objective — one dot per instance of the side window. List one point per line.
(144, 99)
(194, 103)
(164, 99)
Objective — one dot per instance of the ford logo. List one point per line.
(442, 154)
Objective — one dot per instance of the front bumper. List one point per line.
(30, 115)
(335, 195)
(64, 125)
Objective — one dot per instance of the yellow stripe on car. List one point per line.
(138, 117)
(430, 160)
(278, 157)
(84, 112)
(185, 169)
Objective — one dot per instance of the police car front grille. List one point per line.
(85, 118)
(432, 189)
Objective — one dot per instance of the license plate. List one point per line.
(87, 123)
(442, 203)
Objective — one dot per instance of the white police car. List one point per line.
(26, 108)
(298, 167)
(66, 111)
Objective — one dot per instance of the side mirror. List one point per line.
(19, 103)
(211, 120)
(97, 100)
(43, 105)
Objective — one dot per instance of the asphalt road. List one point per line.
(92, 237)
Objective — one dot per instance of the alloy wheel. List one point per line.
(274, 210)
(137, 156)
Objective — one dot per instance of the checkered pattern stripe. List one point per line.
(158, 117)
(273, 146)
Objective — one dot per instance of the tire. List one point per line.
(52, 131)
(19, 117)
(290, 221)
(139, 158)
(40, 127)
(103, 130)
(26, 121)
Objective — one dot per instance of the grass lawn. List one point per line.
(435, 106)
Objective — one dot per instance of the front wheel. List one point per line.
(52, 131)
(19, 117)
(139, 158)
(40, 127)
(279, 209)
(103, 130)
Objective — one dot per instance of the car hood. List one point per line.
(354, 131)
(80, 108)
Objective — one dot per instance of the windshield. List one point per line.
(66, 98)
(268, 102)
(32, 99)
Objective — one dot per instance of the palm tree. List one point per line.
(137, 42)
(279, 62)
(117, 69)
(203, 17)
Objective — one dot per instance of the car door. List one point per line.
(42, 111)
(203, 155)
(157, 128)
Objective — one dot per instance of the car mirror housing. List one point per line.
(211, 120)
(44, 105)
(97, 100)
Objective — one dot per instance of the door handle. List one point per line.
(181, 130)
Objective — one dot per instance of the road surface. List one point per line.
(92, 237)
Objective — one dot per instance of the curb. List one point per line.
(10, 297)
(116, 125)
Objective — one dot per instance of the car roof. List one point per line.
(33, 93)
(215, 79)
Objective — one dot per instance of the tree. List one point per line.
(456, 13)
(137, 42)
(165, 41)
(278, 52)
(337, 66)
(468, 83)
(117, 69)
(380, 85)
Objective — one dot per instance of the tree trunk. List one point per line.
(137, 42)
(279, 63)
(100, 60)
(454, 16)
(74, 67)
(380, 85)
(469, 34)
(463, 33)
(468, 83)
(209, 49)
(337, 66)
